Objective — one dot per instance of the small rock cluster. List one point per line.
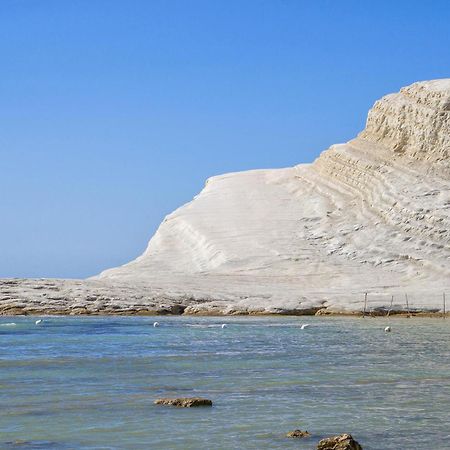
(341, 442)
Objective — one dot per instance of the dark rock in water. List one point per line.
(298, 434)
(341, 442)
(184, 402)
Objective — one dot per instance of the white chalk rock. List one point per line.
(367, 213)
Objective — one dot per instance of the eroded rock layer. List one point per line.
(371, 215)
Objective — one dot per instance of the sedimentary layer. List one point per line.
(369, 216)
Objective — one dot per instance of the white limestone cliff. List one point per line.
(371, 215)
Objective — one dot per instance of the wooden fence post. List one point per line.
(443, 295)
(390, 307)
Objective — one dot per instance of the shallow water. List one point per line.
(90, 383)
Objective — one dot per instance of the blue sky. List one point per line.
(113, 113)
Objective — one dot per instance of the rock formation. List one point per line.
(298, 434)
(184, 402)
(341, 442)
(371, 215)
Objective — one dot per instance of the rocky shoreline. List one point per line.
(92, 297)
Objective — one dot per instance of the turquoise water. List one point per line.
(90, 383)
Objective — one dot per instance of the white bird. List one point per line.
(387, 329)
(156, 324)
(305, 325)
(224, 325)
(38, 321)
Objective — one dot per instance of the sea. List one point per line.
(91, 382)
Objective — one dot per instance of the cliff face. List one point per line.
(368, 215)
(371, 215)
(414, 122)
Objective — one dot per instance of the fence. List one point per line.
(404, 303)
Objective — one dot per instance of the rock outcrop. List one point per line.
(371, 215)
(298, 434)
(341, 442)
(184, 402)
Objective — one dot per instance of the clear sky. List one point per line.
(113, 113)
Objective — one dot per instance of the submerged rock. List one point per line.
(341, 442)
(184, 402)
(298, 434)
